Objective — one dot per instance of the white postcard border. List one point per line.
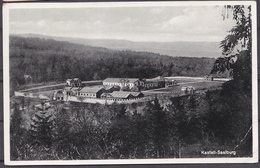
(6, 83)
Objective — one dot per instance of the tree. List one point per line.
(135, 89)
(15, 132)
(157, 128)
(236, 48)
(62, 133)
(179, 125)
(42, 128)
(121, 134)
(16, 120)
(124, 84)
(237, 58)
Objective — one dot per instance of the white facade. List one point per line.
(130, 82)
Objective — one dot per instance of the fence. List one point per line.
(104, 101)
(196, 78)
(44, 88)
(30, 95)
(58, 86)
(123, 101)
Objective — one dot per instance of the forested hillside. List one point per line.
(49, 60)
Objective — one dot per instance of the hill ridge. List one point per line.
(175, 48)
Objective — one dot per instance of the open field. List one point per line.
(58, 86)
(181, 79)
(176, 90)
(203, 85)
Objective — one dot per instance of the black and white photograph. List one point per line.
(130, 83)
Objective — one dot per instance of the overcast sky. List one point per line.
(163, 24)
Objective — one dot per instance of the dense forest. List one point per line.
(48, 60)
(182, 129)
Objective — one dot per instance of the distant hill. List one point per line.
(187, 49)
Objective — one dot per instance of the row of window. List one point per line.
(152, 84)
(119, 84)
(87, 94)
(82, 94)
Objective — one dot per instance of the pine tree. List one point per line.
(237, 58)
(15, 133)
(179, 124)
(41, 129)
(236, 49)
(158, 127)
(120, 133)
(62, 133)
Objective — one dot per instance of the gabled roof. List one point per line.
(106, 95)
(119, 94)
(135, 93)
(75, 79)
(125, 93)
(118, 80)
(150, 81)
(90, 89)
(156, 79)
(96, 86)
(108, 87)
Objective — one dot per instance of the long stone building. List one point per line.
(123, 82)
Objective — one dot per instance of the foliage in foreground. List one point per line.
(182, 128)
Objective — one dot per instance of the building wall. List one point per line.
(105, 101)
(73, 82)
(59, 95)
(151, 85)
(118, 84)
(87, 94)
(208, 78)
(112, 89)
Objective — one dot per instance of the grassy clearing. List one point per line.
(199, 85)
(187, 80)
